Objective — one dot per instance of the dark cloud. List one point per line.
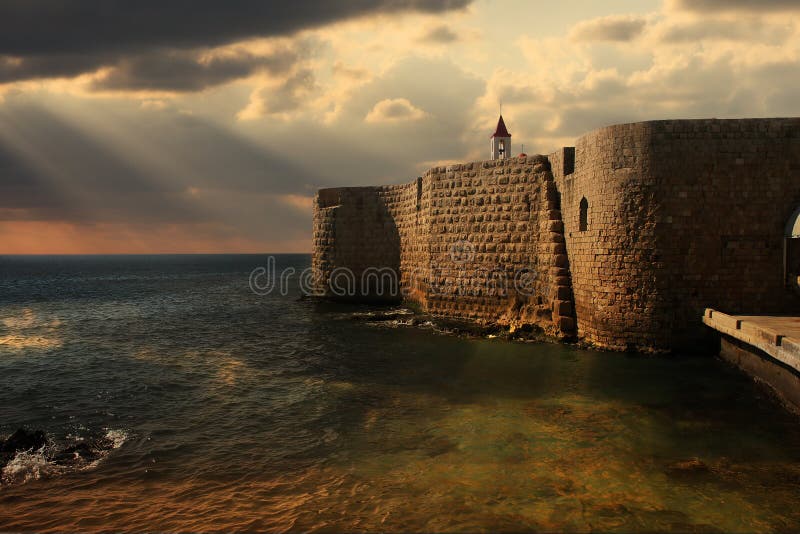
(154, 44)
(30, 27)
(181, 70)
(440, 35)
(44, 66)
(611, 28)
(736, 5)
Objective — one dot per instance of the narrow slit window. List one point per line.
(583, 224)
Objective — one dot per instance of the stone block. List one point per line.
(552, 215)
(553, 226)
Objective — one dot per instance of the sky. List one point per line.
(154, 126)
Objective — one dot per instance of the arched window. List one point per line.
(583, 224)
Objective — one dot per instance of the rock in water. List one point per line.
(21, 440)
(84, 452)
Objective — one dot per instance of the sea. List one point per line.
(229, 409)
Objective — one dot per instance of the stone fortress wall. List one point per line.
(622, 241)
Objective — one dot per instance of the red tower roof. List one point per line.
(501, 131)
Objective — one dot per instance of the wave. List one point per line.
(51, 460)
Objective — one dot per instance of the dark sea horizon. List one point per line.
(228, 410)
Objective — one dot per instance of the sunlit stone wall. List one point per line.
(481, 241)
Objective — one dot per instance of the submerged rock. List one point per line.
(20, 441)
(78, 454)
(83, 453)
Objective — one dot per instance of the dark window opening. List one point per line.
(419, 193)
(569, 160)
(583, 225)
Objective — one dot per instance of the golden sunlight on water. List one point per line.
(16, 334)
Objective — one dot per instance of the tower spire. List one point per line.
(501, 141)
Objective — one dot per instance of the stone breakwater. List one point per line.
(621, 241)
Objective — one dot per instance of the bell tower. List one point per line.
(501, 141)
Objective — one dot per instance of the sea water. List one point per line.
(232, 410)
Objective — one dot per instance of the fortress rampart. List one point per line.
(622, 241)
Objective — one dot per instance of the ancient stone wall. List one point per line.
(641, 225)
(480, 241)
(354, 232)
(682, 215)
(496, 246)
(725, 191)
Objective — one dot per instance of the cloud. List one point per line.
(690, 31)
(51, 169)
(56, 27)
(440, 34)
(757, 6)
(38, 66)
(146, 40)
(156, 181)
(289, 95)
(101, 165)
(684, 65)
(111, 175)
(153, 104)
(394, 110)
(182, 70)
(352, 73)
(609, 28)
